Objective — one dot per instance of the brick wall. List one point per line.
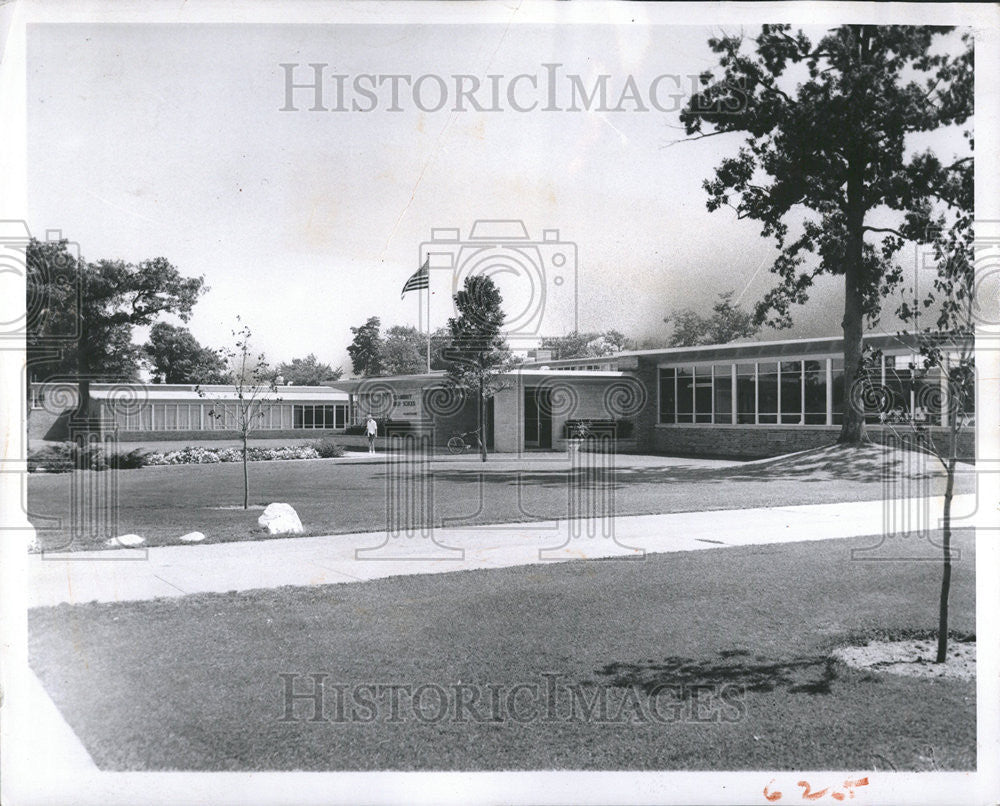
(758, 442)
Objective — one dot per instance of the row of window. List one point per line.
(210, 416)
(793, 393)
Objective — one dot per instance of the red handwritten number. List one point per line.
(808, 794)
(771, 796)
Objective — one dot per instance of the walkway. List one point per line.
(136, 574)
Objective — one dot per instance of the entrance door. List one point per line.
(538, 418)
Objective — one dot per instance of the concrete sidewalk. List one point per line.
(137, 574)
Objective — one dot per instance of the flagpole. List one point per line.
(428, 320)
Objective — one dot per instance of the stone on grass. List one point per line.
(125, 540)
(280, 519)
(192, 537)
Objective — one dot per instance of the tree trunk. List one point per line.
(246, 476)
(482, 422)
(852, 431)
(949, 492)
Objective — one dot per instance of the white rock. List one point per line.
(192, 537)
(125, 540)
(280, 519)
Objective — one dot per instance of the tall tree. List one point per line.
(367, 349)
(826, 128)
(308, 371)
(404, 351)
(177, 357)
(478, 353)
(727, 322)
(100, 303)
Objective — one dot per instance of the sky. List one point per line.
(152, 140)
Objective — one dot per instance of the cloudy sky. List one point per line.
(149, 140)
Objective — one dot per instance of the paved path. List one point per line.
(136, 574)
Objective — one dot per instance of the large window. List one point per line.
(793, 392)
(322, 416)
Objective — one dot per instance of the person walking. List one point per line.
(371, 428)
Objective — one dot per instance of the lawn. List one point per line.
(706, 660)
(333, 496)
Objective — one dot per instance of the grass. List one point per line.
(162, 503)
(739, 637)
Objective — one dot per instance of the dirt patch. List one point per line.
(912, 658)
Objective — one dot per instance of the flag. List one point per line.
(420, 279)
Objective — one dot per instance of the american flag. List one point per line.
(419, 279)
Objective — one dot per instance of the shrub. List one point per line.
(59, 458)
(127, 460)
(327, 449)
(199, 455)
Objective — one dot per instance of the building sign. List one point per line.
(405, 406)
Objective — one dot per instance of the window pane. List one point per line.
(767, 392)
(898, 388)
(299, 418)
(667, 396)
(839, 392)
(685, 399)
(815, 413)
(703, 394)
(723, 393)
(746, 394)
(791, 392)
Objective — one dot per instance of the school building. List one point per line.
(747, 400)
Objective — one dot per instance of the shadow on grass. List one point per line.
(808, 675)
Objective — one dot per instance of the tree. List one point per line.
(100, 303)
(404, 351)
(945, 373)
(308, 371)
(177, 357)
(367, 349)
(728, 322)
(254, 393)
(478, 353)
(826, 130)
(583, 345)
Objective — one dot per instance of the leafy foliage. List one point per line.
(100, 304)
(478, 353)
(308, 371)
(584, 345)
(727, 322)
(826, 127)
(367, 349)
(177, 357)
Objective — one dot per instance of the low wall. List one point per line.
(760, 442)
(300, 434)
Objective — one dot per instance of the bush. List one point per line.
(53, 459)
(66, 456)
(327, 449)
(127, 460)
(201, 456)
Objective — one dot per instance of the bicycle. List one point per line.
(458, 444)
